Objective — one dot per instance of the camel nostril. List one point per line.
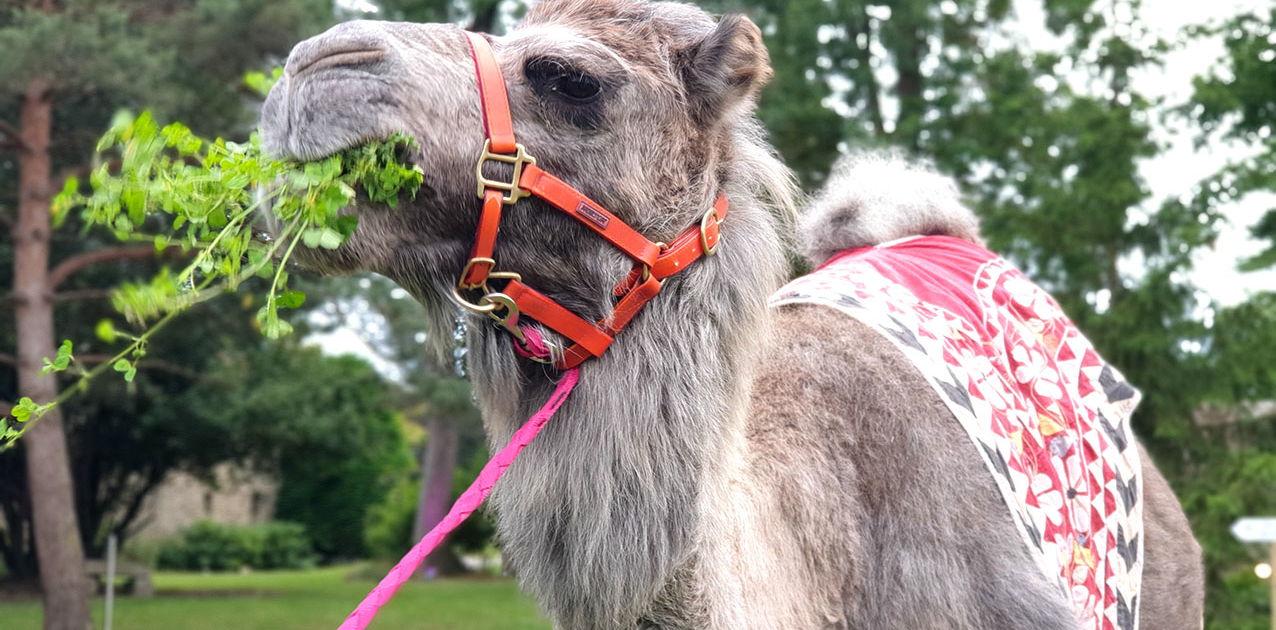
(349, 44)
(317, 58)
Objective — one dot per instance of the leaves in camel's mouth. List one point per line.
(199, 198)
(178, 190)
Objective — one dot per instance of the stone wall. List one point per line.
(239, 497)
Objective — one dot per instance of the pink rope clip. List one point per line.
(470, 500)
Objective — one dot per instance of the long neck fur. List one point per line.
(603, 515)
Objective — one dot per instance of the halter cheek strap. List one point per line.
(653, 262)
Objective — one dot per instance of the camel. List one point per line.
(724, 464)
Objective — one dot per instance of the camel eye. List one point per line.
(577, 87)
(551, 76)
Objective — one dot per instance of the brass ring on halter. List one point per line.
(480, 309)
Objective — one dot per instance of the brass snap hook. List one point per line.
(508, 321)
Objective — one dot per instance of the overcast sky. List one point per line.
(1177, 170)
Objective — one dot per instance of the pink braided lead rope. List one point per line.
(470, 499)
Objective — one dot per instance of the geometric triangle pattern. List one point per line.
(1046, 414)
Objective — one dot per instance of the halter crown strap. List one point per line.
(494, 99)
(653, 261)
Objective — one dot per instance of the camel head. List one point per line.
(634, 103)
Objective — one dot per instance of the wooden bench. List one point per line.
(138, 576)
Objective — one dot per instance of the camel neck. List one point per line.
(603, 508)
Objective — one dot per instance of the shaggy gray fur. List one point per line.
(723, 466)
(876, 197)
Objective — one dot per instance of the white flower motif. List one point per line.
(1083, 604)
(1047, 385)
(1049, 499)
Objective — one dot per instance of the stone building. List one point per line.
(239, 497)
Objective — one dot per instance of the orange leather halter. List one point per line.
(653, 261)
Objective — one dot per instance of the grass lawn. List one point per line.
(303, 600)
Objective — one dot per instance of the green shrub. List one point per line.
(330, 484)
(388, 527)
(286, 546)
(387, 530)
(208, 546)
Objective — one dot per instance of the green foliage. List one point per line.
(85, 47)
(1233, 476)
(1238, 101)
(335, 445)
(332, 493)
(387, 531)
(94, 57)
(208, 191)
(209, 546)
(260, 82)
(60, 362)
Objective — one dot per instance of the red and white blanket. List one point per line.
(1048, 416)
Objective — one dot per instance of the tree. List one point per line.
(194, 404)
(1048, 146)
(1238, 102)
(324, 425)
(476, 15)
(84, 57)
(433, 395)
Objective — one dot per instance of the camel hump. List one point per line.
(877, 197)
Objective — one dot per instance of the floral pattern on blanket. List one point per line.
(1048, 416)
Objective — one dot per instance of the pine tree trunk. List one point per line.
(57, 536)
(436, 492)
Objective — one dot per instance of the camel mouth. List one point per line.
(329, 104)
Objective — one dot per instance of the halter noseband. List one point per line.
(653, 261)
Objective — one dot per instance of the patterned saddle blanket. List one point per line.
(1047, 415)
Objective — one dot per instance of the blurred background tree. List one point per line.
(1035, 106)
(66, 67)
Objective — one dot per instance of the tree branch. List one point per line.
(13, 136)
(84, 294)
(154, 365)
(134, 506)
(78, 262)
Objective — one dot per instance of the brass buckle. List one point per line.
(519, 159)
(704, 238)
(499, 275)
(479, 260)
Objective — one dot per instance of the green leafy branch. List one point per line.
(204, 196)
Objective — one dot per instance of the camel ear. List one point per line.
(727, 67)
